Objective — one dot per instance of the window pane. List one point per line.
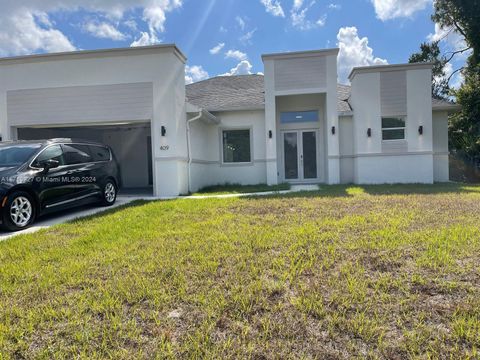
(298, 117)
(16, 154)
(100, 153)
(76, 154)
(236, 146)
(290, 149)
(392, 123)
(393, 134)
(51, 153)
(309, 141)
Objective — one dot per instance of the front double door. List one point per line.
(300, 155)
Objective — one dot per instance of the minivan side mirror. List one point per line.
(49, 164)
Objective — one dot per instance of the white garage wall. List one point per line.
(161, 66)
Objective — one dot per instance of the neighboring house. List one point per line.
(295, 124)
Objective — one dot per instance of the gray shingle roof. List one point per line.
(247, 92)
(228, 93)
(243, 92)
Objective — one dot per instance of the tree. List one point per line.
(463, 17)
(464, 127)
(430, 52)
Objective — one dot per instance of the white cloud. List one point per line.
(298, 17)
(104, 30)
(23, 33)
(391, 9)
(25, 26)
(131, 24)
(273, 7)
(354, 51)
(240, 22)
(236, 54)
(195, 73)
(297, 4)
(215, 50)
(334, 6)
(247, 38)
(243, 68)
(145, 39)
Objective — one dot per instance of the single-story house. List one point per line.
(294, 124)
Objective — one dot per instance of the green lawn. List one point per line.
(369, 272)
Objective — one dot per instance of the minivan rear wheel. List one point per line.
(19, 211)
(109, 193)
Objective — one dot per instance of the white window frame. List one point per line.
(250, 132)
(404, 128)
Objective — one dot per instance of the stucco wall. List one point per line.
(206, 141)
(440, 147)
(347, 149)
(402, 161)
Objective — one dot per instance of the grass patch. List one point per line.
(345, 272)
(240, 189)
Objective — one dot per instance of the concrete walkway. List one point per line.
(293, 188)
(77, 213)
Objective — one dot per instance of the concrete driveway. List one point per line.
(61, 217)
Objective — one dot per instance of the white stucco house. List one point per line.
(294, 124)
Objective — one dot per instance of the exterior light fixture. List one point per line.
(270, 134)
(164, 131)
(333, 130)
(420, 129)
(369, 132)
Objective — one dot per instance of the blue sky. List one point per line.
(226, 36)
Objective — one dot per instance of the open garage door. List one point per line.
(131, 144)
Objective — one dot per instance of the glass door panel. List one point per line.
(309, 147)
(290, 151)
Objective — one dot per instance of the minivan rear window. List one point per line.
(99, 153)
(76, 154)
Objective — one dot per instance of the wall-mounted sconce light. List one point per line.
(270, 134)
(333, 130)
(164, 130)
(420, 129)
(369, 132)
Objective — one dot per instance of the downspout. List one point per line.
(189, 148)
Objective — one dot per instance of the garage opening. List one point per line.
(131, 144)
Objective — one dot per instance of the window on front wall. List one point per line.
(393, 128)
(236, 146)
(292, 117)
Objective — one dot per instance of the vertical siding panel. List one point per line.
(300, 73)
(79, 104)
(393, 93)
